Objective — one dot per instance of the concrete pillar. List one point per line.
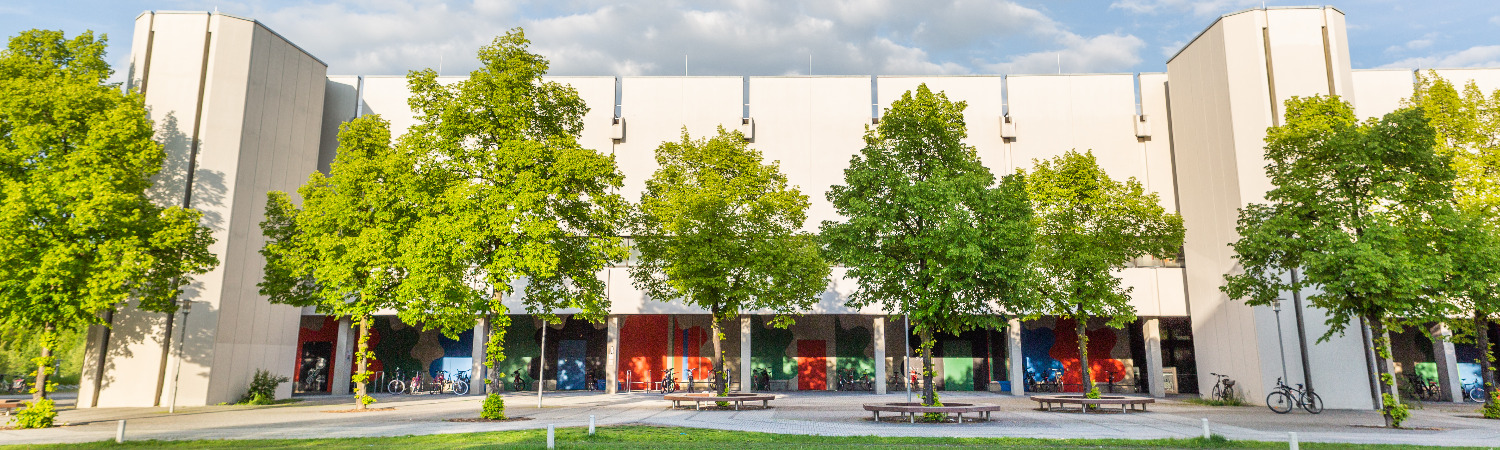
(878, 329)
(478, 373)
(343, 358)
(1449, 383)
(612, 356)
(1151, 330)
(747, 376)
(1014, 359)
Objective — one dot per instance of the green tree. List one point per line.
(340, 252)
(929, 232)
(1359, 208)
(1088, 226)
(521, 207)
(1468, 131)
(718, 229)
(76, 159)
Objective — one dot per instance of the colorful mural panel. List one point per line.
(643, 348)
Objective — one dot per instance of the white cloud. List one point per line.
(1476, 56)
(734, 37)
(1196, 7)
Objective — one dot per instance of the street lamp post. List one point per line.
(906, 364)
(187, 305)
(1276, 307)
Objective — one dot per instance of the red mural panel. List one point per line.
(812, 367)
(1101, 364)
(327, 332)
(643, 348)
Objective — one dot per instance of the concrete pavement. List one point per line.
(822, 413)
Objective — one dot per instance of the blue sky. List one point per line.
(777, 37)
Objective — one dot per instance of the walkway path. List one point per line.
(824, 413)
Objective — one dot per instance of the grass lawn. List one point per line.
(652, 437)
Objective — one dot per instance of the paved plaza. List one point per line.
(822, 413)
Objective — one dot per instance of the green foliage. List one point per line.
(1394, 410)
(1491, 409)
(77, 156)
(494, 407)
(719, 229)
(1361, 209)
(929, 232)
(937, 416)
(262, 388)
(1237, 400)
(36, 414)
(1087, 227)
(347, 235)
(18, 347)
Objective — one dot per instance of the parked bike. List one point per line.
(397, 384)
(1474, 391)
(519, 383)
(1224, 388)
(1283, 398)
(761, 379)
(1421, 388)
(668, 382)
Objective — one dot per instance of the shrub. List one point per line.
(262, 388)
(1397, 411)
(494, 407)
(38, 414)
(1491, 409)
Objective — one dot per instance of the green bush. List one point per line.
(36, 415)
(1491, 409)
(262, 388)
(1398, 411)
(494, 407)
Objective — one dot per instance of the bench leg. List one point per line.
(960, 417)
(913, 417)
(877, 416)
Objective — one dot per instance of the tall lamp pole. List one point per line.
(906, 364)
(1276, 306)
(541, 364)
(187, 305)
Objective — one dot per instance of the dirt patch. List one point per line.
(1383, 427)
(359, 410)
(482, 420)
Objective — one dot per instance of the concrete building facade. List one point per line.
(243, 111)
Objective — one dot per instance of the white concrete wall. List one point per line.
(258, 130)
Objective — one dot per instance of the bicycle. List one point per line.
(1421, 388)
(460, 383)
(1474, 391)
(518, 383)
(761, 379)
(690, 381)
(397, 384)
(668, 382)
(1283, 398)
(1224, 388)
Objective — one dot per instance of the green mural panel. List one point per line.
(768, 350)
(520, 348)
(958, 366)
(850, 349)
(393, 349)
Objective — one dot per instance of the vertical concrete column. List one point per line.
(878, 329)
(1447, 362)
(747, 376)
(1014, 359)
(612, 356)
(343, 358)
(478, 373)
(1151, 330)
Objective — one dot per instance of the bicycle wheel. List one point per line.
(1228, 394)
(1218, 393)
(1312, 403)
(460, 388)
(1476, 394)
(396, 387)
(1280, 402)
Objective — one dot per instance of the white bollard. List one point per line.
(1206, 434)
(551, 437)
(1292, 440)
(120, 433)
(591, 424)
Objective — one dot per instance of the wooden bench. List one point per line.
(737, 399)
(10, 405)
(912, 409)
(1126, 404)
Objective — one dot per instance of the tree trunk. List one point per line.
(44, 366)
(361, 378)
(1083, 352)
(1382, 363)
(1486, 367)
(929, 392)
(718, 361)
